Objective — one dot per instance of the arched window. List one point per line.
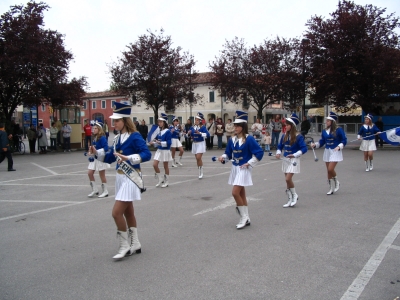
(98, 116)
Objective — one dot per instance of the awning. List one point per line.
(352, 112)
(316, 112)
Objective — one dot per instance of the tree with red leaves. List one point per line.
(354, 56)
(260, 75)
(33, 61)
(153, 72)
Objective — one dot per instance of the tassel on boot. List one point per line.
(179, 161)
(135, 246)
(290, 198)
(124, 246)
(201, 172)
(337, 184)
(331, 185)
(105, 191)
(94, 189)
(160, 179)
(165, 183)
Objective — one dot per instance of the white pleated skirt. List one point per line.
(125, 189)
(199, 147)
(368, 145)
(97, 165)
(176, 143)
(163, 155)
(288, 167)
(331, 156)
(240, 177)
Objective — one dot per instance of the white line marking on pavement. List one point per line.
(50, 171)
(39, 201)
(52, 208)
(357, 287)
(34, 184)
(225, 204)
(395, 247)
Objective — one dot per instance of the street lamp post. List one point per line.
(304, 42)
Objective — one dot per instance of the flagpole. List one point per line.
(374, 134)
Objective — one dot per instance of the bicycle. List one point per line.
(20, 148)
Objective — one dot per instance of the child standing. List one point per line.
(163, 154)
(267, 141)
(293, 146)
(99, 142)
(244, 152)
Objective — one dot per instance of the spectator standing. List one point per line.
(53, 136)
(229, 130)
(267, 141)
(5, 150)
(276, 126)
(88, 135)
(305, 126)
(106, 130)
(219, 131)
(32, 138)
(16, 132)
(378, 139)
(58, 125)
(211, 130)
(188, 139)
(66, 132)
(143, 129)
(41, 133)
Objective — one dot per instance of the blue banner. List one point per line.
(391, 136)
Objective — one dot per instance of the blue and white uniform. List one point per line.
(332, 141)
(199, 144)
(96, 165)
(133, 146)
(175, 136)
(240, 152)
(298, 148)
(367, 132)
(164, 149)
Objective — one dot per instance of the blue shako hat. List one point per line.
(174, 118)
(200, 116)
(98, 123)
(369, 116)
(240, 117)
(332, 116)
(121, 110)
(163, 117)
(293, 119)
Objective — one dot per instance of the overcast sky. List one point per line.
(97, 31)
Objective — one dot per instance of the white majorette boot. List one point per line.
(94, 190)
(290, 198)
(294, 198)
(135, 246)
(244, 217)
(201, 172)
(367, 166)
(124, 246)
(165, 183)
(173, 163)
(337, 184)
(371, 166)
(179, 161)
(331, 185)
(105, 191)
(160, 179)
